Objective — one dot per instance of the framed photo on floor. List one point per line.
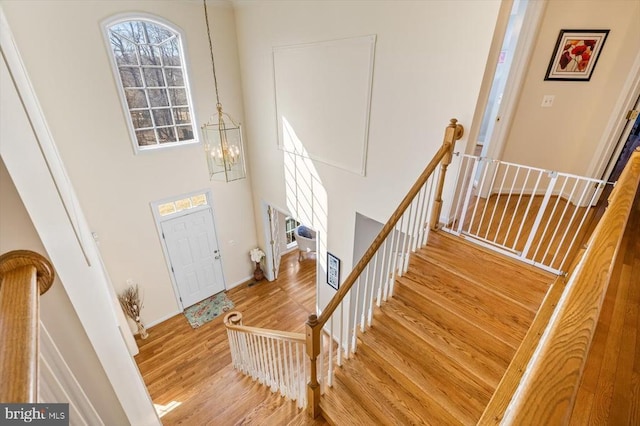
(333, 271)
(576, 54)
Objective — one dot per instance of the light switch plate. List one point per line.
(547, 101)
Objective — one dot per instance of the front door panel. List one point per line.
(194, 256)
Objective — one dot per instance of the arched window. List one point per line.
(149, 62)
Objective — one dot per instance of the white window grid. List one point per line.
(178, 116)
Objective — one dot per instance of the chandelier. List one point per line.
(222, 135)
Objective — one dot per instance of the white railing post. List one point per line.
(543, 207)
(467, 198)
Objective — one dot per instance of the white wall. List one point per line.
(566, 136)
(429, 63)
(56, 311)
(62, 45)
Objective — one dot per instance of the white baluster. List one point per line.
(330, 366)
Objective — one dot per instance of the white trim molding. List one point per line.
(34, 164)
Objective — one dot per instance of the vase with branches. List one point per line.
(256, 256)
(131, 304)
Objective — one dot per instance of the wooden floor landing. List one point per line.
(191, 368)
(439, 347)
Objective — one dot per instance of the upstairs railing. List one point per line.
(23, 276)
(542, 389)
(535, 215)
(333, 335)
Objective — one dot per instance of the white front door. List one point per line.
(195, 259)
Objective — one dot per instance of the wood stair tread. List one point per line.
(338, 403)
(483, 289)
(430, 371)
(438, 348)
(464, 306)
(524, 284)
(367, 381)
(452, 339)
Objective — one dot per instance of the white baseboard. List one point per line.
(237, 283)
(161, 319)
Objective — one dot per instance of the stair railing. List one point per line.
(333, 334)
(23, 276)
(542, 389)
(274, 358)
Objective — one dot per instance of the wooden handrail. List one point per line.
(233, 321)
(452, 133)
(23, 276)
(553, 368)
(314, 324)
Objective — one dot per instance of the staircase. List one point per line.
(442, 333)
(438, 348)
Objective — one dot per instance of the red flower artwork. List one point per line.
(576, 55)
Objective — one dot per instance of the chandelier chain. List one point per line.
(213, 63)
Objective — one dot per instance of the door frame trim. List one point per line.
(513, 88)
(610, 139)
(264, 213)
(163, 244)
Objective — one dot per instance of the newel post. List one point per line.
(24, 275)
(313, 350)
(452, 133)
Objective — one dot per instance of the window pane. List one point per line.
(130, 77)
(171, 53)
(124, 50)
(183, 204)
(174, 77)
(199, 200)
(136, 98)
(185, 133)
(167, 208)
(155, 33)
(149, 55)
(181, 115)
(153, 77)
(146, 137)
(131, 30)
(166, 135)
(141, 119)
(158, 97)
(162, 117)
(178, 97)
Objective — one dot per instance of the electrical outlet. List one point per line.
(547, 101)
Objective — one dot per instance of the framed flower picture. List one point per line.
(576, 54)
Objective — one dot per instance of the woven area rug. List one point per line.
(208, 309)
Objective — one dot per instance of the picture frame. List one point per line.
(333, 271)
(575, 54)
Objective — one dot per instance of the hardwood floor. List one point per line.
(438, 348)
(464, 311)
(190, 369)
(609, 393)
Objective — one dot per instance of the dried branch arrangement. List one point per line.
(131, 304)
